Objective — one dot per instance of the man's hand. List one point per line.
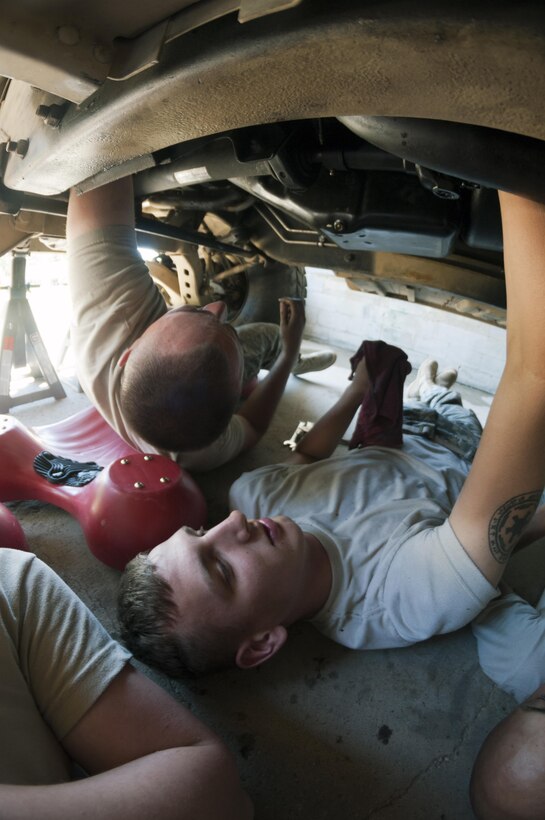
(360, 381)
(292, 324)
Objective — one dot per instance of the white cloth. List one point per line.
(510, 636)
(55, 661)
(114, 300)
(399, 573)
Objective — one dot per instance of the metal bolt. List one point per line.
(148, 458)
(138, 485)
(68, 35)
(51, 114)
(22, 148)
(125, 461)
(338, 226)
(19, 147)
(164, 479)
(102, 54)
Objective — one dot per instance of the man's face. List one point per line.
(244, 574)
(188, 326)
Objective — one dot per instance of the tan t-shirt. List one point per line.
(114, 300)
(56, 660)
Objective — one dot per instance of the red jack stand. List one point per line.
(19, 327)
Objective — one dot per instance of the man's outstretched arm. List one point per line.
(111, 204)
(259, 409)
(504, 487)
(114, 298)
(147, 756)
(320, 442)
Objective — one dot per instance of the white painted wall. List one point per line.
(342, 317)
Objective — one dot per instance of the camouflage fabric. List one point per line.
(261, 345)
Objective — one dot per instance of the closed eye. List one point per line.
(218, 573)
(226, 572)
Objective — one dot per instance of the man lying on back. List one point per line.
(377, 547)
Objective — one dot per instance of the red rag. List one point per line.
(380, 420)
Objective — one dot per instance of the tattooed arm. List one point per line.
(503, 489)
(535, 529)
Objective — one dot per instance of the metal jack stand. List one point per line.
(19, 326)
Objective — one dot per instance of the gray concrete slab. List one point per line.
(320, 732)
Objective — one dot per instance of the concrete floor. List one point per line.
(320, 732)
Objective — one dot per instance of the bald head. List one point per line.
(508, 780)
(182, 380)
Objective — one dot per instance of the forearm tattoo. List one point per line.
(508, 522)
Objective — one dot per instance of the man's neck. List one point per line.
(319, 576)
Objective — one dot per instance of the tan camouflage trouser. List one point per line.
(261, 345)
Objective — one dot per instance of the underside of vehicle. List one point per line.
(265, 136)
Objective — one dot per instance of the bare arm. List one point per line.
(111, 204)
(148, 757)
(321, 441)
(504, 486)
(261, 405)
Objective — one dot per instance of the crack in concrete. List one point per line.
(436, 763)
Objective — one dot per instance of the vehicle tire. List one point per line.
(261, 288)
(265, 287)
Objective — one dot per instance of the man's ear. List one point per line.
(124, 357)
(260, 647)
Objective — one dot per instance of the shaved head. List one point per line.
(181, 380)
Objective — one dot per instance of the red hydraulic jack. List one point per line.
(18, 328)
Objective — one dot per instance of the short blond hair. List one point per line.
(150, 626)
